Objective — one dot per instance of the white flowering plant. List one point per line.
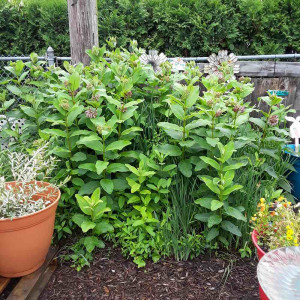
(22, 198)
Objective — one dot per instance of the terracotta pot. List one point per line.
(260, 254)
(25, 241)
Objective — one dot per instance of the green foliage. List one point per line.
(177, 27)
(172, 166)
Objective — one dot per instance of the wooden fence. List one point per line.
(270, 75)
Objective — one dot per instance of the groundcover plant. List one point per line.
(155, 165)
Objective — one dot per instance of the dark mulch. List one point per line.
(111, 276)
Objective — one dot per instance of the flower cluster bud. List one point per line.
(90, 113)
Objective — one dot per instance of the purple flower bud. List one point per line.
(273, 120)
(242, 109)
(236, 109)
(218, 113)
(91, 114)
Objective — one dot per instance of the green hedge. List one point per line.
(177, 27)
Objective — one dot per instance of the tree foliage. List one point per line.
(176, 27)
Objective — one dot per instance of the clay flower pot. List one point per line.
(25, 241)
(260, 254)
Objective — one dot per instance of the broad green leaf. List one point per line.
(103, 227)
(101, 166)
(270, 152)
(14, 89)
(84, 204)
(241, 119)
(78, 219)
(212, 141)
(196, 124)
(116, 167)
(232, 189)
(73, 114)
(235, 166)
(134, 185)
(270, 170)
(169, 150)
(87, 225)
(174, 134)
(228, 226)
(74, 81)
(79, 156)
(211, 162)
(166, 125)
(77, 181)
(229, 149)
(133, 169)
(204, 202)
(88, 188)
(138, 223)
(212, 234)
(88, 166)
(235, 213)
(133, 199)
(259, 122)
(216, 204)
(30, 112)
(90, 242)
(178, 111)
(95, 145)
(228, 178)
(223, 240)
(209, 183)
(61, 152)
(130, 130)
(81, 132)
(203, 217)
(56, 132)
(214, 220)
(107, 185)
(117, 145)
(185, 168)
(192, 96)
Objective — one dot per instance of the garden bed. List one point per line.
(111, 276)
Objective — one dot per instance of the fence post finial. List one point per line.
(50, 56)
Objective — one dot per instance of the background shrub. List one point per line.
(177, 27)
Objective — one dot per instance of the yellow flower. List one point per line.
(289, 203)
(289, 237)
(280, 199)
(287, 227)
(295, 241)
(253, 219)
(262, 200)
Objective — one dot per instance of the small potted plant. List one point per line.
(27, 212)
(276, 225)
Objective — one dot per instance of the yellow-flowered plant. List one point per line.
(276, 223)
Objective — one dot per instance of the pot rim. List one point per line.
(254, 236)
(40, 211)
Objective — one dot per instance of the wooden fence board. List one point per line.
(266, 69)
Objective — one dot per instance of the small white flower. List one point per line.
(153, 59)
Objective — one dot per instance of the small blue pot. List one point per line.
(294, 177)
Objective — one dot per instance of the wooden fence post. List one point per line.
(83, 26)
